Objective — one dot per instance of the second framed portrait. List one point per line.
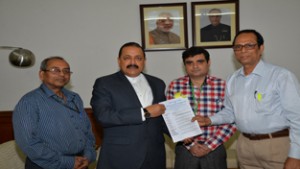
(164, 26)
(215, 23)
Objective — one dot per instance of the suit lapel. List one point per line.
(128, 88)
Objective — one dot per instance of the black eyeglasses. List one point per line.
(247, 46)
(57, 71)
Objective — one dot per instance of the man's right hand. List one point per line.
(156, 109)
(199, 150)
(202, 121)
(81, 163)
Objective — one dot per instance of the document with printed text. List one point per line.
(178, 116)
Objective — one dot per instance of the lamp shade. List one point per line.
(21, 57)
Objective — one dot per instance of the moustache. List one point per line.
(132, 66)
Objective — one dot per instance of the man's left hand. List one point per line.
(292, 163)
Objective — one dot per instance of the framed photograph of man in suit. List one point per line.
(215, 23)
(164, 26)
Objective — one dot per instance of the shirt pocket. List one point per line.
(263, 102)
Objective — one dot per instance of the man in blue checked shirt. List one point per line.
(50, 124)
(206, 94)
(263, 100)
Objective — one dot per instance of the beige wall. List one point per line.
(89, 33)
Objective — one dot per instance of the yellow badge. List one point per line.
(259, 96)
(179, 95)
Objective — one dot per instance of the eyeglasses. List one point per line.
(247, 46)
(57, 71)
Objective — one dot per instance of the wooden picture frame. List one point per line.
(164, 26)
(215, 23)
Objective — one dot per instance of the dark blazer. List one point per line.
(210, 33)
(128, 141)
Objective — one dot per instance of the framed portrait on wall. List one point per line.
(215, 23)
(163, 26)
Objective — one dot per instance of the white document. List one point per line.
(178, 116)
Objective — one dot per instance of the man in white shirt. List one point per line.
(126, 105)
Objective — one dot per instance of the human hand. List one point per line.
(202, 121)
(188, 141)
(81, 163)
(156, 110)
(292, 163)
(199, 150)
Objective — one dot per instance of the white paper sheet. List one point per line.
(178, 116)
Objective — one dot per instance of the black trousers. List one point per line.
(31, 165)
(214, 160)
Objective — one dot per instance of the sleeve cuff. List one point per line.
(294, 151)
(189, 146)
(67, 162)
(142, 113)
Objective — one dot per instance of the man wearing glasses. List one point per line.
(50, 124)
(263, 100)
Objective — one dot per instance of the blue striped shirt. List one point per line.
(51, 132)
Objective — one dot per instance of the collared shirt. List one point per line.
(206, 101)
(142, 89)
(50, 132)
(265, 101)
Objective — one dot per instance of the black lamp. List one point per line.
(20, 57)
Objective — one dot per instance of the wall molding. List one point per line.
(7, 133)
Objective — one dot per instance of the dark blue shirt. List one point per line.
(51, 131)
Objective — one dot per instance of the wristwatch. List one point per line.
(146, 113)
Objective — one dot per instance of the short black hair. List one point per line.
(192, 51)
(131, 44)
(259, 37)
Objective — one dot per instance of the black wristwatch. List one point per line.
(146, 113)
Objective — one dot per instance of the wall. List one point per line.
(89, 33)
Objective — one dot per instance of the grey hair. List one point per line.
(45, 61)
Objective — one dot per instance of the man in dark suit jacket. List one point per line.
(126, 105)
(216, 31)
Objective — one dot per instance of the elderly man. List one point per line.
(263, 100)
(50, 124)
(216, 31)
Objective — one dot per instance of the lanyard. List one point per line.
(196, 102)
(76, 109)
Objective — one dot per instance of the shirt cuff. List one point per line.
(189, 146)
(143, 116)
(214, 120)
(294, 151)
(67, 162)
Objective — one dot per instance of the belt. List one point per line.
(281, 133)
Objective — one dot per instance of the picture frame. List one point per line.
(164, 26)
(215, 23)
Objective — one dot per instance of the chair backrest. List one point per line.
(11, 156)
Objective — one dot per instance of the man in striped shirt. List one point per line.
(50, 124)
(206, 94)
